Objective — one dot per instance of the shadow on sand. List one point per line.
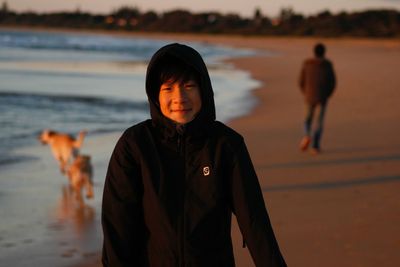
(341, 161)
(333, 185)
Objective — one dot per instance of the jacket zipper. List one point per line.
(181, 149)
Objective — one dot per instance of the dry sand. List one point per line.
(340, 208)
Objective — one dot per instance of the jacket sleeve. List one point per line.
(332, 79)
(122, 215)
(250, 211)
(302, 77)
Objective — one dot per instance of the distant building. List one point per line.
(109, 20)
(4, 7)
(121, 22)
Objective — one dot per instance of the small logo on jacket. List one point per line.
(206, 171)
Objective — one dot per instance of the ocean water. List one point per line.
(68, 82)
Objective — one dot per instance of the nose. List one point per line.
(180, 95)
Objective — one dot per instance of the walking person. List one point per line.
(174, 180)
(317, 83)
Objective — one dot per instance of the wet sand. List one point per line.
(340, 208)
(44, 223)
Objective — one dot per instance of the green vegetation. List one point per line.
(373, 23)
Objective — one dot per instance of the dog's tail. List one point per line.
(79, 141)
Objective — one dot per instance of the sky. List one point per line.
(244, 8)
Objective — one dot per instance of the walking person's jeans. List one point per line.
(316, 131)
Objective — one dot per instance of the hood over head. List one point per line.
(187, 56)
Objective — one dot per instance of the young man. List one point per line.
(317, 83)
(173, 181)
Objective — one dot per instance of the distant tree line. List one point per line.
(373, 23)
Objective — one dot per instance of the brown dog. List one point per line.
(80, 175)
(62, 145)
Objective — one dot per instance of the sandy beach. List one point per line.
(339, 208)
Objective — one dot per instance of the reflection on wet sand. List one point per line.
(73, 210)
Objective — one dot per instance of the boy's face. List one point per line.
(180, 100)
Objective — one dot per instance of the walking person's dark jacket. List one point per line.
(170, 190)
(317, 80)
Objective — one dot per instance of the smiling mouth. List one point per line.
(181, 110)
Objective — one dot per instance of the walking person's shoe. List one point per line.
(315, 151)
(304, 143)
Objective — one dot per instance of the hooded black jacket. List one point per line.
(170, 192)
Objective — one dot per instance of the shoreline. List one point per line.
(339, 208)
(224, 74)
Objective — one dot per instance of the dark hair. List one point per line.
(319, 50)
(171, 69)
(175, 70)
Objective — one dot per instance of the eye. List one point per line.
(165, 88)
(190, 85)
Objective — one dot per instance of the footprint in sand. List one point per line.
(63, 243)
(8, 245)
(55, 226)
(69, 253)
(27, 241)
(88, 254)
